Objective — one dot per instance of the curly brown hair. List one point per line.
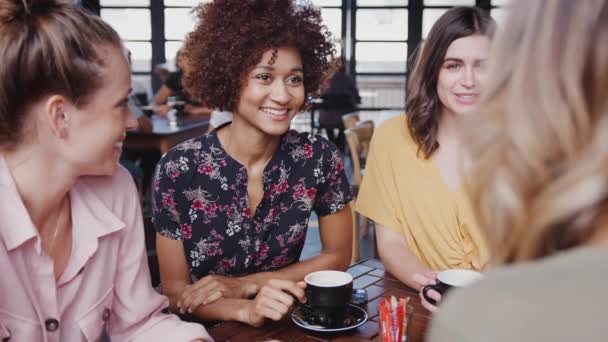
(232, 35)
(423, 106)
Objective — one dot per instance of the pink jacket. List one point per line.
(106, 284)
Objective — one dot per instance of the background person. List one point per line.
(412, 183)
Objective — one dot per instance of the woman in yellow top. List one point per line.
(411, 187)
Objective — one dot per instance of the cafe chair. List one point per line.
(350, 120)
(358, 140)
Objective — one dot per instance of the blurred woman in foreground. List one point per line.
(540, 183)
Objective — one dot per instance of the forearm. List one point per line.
(399, 261)
(297, 271)
(223, 309)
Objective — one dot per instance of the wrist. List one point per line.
(253, 283)
(242, 314)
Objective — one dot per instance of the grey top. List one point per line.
(560, 298)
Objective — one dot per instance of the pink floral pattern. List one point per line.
(200, 198)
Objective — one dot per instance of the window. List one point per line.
(375, 36)
(380, 52)
(133, 21)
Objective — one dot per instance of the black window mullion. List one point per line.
(414, 26)
(91, 5)
(485, 4)
(351, 10)
(157, 14)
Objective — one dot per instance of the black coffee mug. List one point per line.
(328, 294)
(179, 106)
(448, 279)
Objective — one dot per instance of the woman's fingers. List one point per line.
(433, 294)
(423, 280)
(295, 289)
(198, 294)
(277, 294)
(271, 308)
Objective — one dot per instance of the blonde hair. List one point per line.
(539, 183)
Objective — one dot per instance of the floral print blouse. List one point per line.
(200, 198)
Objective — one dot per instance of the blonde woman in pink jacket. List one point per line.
(72, 256)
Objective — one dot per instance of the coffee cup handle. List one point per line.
(425, 291)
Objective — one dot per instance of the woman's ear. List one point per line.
(57, 115)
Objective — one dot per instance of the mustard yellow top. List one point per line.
(406, 193)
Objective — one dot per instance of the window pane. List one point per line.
(171, 49)
(141, 56)
(320, 3)
(332, 17)
(500, 15)
(185, 3)
(501, 2)
(131, 24)
(381, 91)
(382, 24)
(142, 84)
(381, 57)
(381, 3)
(178, 22)
(449, 2)
(122, 3)
(429, 17)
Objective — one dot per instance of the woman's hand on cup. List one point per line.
(422, 280)
(274, 301)
(162, 110)
(211, 288)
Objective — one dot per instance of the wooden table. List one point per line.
(164, 136)
(370, 275)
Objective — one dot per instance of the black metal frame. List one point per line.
(349, 21)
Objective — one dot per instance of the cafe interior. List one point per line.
(378, 44)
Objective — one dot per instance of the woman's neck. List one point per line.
(449, 130)
(247, 144)
(42, 183)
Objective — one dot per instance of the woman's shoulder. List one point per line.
(184, 152)
(294, 139)
(394, 132)
(118, 187)
(524, 292)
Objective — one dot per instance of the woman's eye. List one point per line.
(295, 80)
(453, 66)
(263, 77)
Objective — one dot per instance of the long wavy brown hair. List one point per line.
(423, 106)
(540, 141)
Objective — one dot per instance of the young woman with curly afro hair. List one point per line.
(231, 208)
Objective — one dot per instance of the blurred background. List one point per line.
(375, 37)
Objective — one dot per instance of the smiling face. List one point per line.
(273, 92)
(463, 74)
(97, 129)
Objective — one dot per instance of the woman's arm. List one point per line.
(336, 239)
(137, 307)
(397, 258)
(399, 261)
(272, 302)
(161, 96)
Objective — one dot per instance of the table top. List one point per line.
(161, 126)
(369, 274)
